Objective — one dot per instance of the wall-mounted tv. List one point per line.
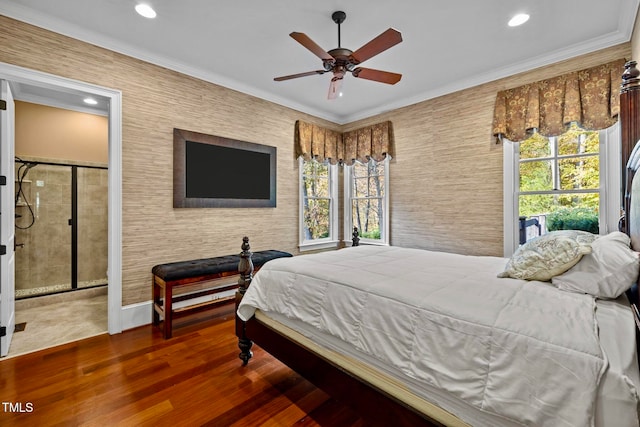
(215, 172)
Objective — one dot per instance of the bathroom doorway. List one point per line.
(50, 88)
(61, 217)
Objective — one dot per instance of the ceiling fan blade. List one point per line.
(295, 76)
(377, 75)
(379, 44)
(335, 87)
(305, 41)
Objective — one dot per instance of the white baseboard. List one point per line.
(135, 315)
(139, 314)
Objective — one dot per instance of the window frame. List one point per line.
(609, 189)
(348, 206)
(333, 239)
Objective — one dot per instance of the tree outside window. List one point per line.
(559, 180)
(316, 200)
(365, 204)
(368, 198)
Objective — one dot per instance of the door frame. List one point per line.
(16, 74)
(7, 220)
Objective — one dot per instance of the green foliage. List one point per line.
(584, 219)
(367, 207)
(576, 168)
(317, 202)
(374, 234)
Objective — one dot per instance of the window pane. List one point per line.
(368, 187)
(578, 141)
(536, 175)
(542, 204)
(316, 219)
(312, 167)
(558, 212)
(367, 216)
(368, 198)
(535, 146)
(316, 179)
(368, 179)
(316, 187)
(581, 172)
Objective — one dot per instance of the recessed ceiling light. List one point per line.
(145, 10)
(90, 101)
(519, 19)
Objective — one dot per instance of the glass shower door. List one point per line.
(43, 232)
(92, 214)
(61, 227)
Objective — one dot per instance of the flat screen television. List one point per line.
(215, 172)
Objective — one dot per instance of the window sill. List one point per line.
(362, 242)
(318, 245)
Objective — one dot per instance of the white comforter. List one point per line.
(521, 350)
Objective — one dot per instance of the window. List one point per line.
(564, 182)
(366, 201)
(318, 204)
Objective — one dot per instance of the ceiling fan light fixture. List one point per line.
(145, 10)
(335, 88)
(340, 61)
(518, 19)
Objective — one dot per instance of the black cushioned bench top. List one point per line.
(202, 267)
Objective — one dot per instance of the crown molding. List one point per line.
(626, 26)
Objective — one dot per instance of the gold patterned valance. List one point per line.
(589, 97)
(315, 142)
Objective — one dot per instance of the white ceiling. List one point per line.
(243, 45)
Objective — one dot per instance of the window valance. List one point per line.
(589, 97)
(370, 142)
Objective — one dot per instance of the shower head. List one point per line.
(25, 166)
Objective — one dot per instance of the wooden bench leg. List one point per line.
(156, 302)
(168, 314)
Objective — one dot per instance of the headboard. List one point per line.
(630, 136)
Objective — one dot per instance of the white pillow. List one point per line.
(548, 255)
(610, 269)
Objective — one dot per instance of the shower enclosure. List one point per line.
(61, 227)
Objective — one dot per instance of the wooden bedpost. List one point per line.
(245, 267)
(355, 239)
(629, 132)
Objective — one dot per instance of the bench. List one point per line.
(168, 277)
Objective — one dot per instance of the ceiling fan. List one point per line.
(340, 60)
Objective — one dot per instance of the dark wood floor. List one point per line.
(137, 378)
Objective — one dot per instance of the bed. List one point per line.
(455, 344)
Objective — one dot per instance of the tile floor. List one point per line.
(57, 319)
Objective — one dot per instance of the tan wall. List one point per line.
(55, 133)
(446, 178)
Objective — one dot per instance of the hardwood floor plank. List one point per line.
(148, 415)
(137, 378)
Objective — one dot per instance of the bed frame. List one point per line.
(371, 403)
(630, 188)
